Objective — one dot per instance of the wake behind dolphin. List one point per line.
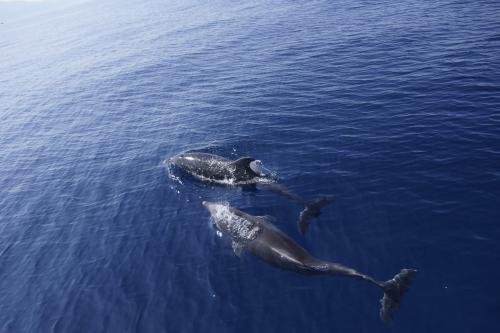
(258, 236)
(241, 172)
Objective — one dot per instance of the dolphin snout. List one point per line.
(171, 160)
(207, 204)
(210, 206)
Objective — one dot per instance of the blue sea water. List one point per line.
(393, 107)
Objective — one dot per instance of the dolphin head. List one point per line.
(220, 214)
(232, 222)
(180, 160)
(212, 207)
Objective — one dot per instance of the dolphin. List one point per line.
(258, 236)
(218, 169)
(245, 171)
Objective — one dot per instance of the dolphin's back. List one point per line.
(205, 157)
(205, 165)
(281, 251)
(216, 168)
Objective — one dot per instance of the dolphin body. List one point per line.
(258, 236)
(217, 169)
(244, 171)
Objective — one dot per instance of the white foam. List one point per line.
(171, 174)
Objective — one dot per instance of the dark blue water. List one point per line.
(391, 106)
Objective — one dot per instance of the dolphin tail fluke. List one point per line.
(312, 210)
(393, 292)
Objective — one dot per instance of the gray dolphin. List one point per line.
(245, 171)
(258, 236)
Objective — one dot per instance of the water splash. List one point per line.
(238, 228)
(170, 172)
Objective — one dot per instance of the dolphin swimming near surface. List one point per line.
(258, 236)
(241, 172)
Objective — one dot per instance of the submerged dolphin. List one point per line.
(244, 171)
(258, 236)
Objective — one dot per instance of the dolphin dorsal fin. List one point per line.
(243, 162)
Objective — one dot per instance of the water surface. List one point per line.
(391, 106)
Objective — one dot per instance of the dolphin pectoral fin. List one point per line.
(237, 248)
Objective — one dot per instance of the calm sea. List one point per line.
(393, 107)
